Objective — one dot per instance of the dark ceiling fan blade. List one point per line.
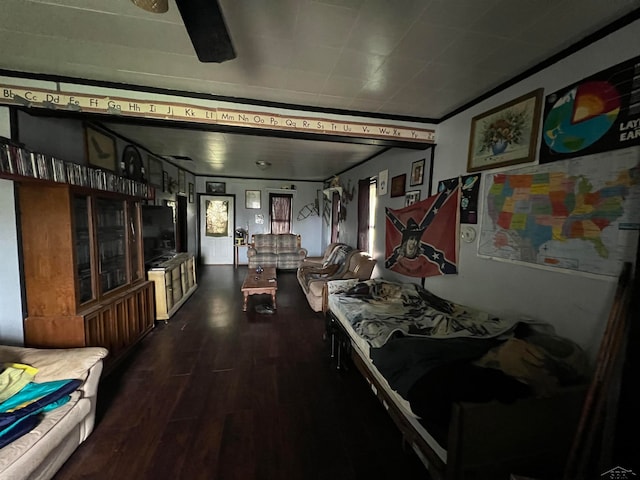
(206, 27)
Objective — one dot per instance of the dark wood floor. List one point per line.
(221, 394)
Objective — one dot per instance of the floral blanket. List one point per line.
(378, 309)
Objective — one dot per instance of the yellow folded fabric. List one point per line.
(14, 378)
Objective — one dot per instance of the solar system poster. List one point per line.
(597, 114)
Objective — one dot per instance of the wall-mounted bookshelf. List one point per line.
(19, 163)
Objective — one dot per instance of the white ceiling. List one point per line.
(408, 58)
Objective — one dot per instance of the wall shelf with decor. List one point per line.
(83, 269)
(287, 191)
(328, 192)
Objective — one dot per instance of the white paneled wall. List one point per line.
(11, 330)
(5, 126)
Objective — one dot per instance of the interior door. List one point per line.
(217, 213)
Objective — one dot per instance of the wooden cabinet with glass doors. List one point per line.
(84, 275)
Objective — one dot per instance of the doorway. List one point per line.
(217, 214)
(182, 244)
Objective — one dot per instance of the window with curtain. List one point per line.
(280, 211)
(363, 214)
(335, 217)
(373, 207)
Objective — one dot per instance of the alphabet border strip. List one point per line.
(198, 113)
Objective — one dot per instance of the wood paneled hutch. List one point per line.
(83, 268)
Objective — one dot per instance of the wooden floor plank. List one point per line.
(220, 394)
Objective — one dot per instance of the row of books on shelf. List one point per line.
(16, 160)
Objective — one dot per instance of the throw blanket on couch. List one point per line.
(20, 413)
(334, 266)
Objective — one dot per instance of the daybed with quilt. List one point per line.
(476, 396)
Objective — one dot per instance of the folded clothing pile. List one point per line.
(22, 401)
(39, 453)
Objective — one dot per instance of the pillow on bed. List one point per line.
(386, 291)
(358, 290)
(544, 362)
(340, 286)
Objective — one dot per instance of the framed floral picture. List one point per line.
(505, 135)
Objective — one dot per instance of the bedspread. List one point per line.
(433, 354)
(378, 309)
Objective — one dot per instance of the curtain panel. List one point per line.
(363, 214)
(280, 207)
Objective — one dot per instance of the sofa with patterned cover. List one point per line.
(282, 251)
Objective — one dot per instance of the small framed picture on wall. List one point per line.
(411, 197)
(216, 187)
(101, 149)
(383, 182)
(252, 199)
(417, 173)
(154, 171)
(398, 185)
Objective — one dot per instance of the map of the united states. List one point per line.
(558, 217)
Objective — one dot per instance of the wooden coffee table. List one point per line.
(257, 283)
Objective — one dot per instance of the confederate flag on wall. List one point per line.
(422, 239)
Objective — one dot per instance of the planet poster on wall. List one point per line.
(597, 114)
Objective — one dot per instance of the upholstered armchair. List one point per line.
(351, 264)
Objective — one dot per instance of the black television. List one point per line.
(158, 233)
